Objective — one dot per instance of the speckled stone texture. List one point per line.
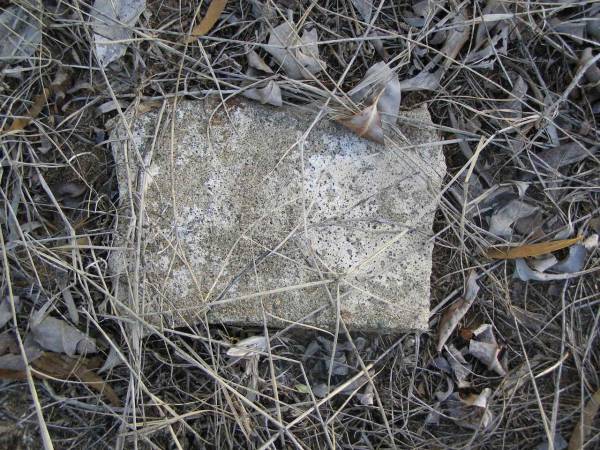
(233, 217)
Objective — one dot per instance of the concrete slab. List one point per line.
(233, 217)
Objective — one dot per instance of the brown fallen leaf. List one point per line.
(456, 311)
(58, 85)
(58, 336)
(298, 55)
(213, 13)
(55, 366)
(366, 123)
(471, 411)
(268, 94)
(32, 113)
(485, 348)
(584, 426)
(528, 250)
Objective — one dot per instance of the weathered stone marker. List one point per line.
(234, 217)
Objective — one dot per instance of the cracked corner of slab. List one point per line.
(227, 193)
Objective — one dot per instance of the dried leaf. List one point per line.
(456, 311)
(528, 250)
(471, 411)
(493, 14)
(320, 390)
(455, 41)
(58, 336)
(6, 310)
(112, 360)
(485, 348)
(460, 367)
(487, 56)
(380, 85)
(591, 242)
(572, 29)
(544, 263)
(14, 360)
(366, 123)
(364, 8)
(592, 74)
(424, 81)
(21, 32)
(213, 13)
(517, 378)
(270, 94)
(503, 218)
(69, 189)
(248, 347)
(575, 262)
(53, 365)
(112, 22)
(524, 273)
(444, 395)
(558, 443)
(512, 108)
(299, 56)
(254, 60)
(417, 17)
(38, 104)
(584, 426)
(562, 155)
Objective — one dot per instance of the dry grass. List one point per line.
(178, 388)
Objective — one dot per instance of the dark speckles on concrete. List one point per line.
(239, 223)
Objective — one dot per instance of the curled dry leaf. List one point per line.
(485, 348)
(269, 94)
(58, 336)
(366, 123)
(529, 250)
(430, 76)
(21, 32)
(53, 366)
(112, 360)
(518, 377)
(512, 108)
(213, 13)
(423, 81)
(248, 347)
(255, 61)
(13, 360)
(364, 8)
(591, 242)
(112, 22)
(503, 219)
(39, 102)
(69, 189)
(6, 309)
(592, 75)
(558, 443)
(299, 56)
(471, 411)
(492, 13)
(380, 89)
(543, 263)
(584, 426)
(575, 262)
(486, 57)
(380, 85)
(460, 367)
(562, 155)
(457, 310)
(525, 273)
